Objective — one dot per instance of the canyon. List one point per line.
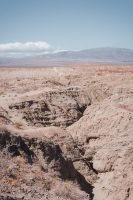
(66, 132)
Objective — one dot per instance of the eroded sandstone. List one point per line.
(66, 133)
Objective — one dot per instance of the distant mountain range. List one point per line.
(105, 55)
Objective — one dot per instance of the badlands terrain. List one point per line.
(66, 133)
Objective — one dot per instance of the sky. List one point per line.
(52, 25)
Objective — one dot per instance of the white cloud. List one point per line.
(19, 47)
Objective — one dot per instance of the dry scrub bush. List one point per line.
(68, 190)
(18, 123)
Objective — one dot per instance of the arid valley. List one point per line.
(66, 132)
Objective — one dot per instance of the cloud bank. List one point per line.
(25, 47)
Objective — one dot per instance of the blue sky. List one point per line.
(67, 24)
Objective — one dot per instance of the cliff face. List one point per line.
(66, 133)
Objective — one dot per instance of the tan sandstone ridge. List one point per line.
(66, 132)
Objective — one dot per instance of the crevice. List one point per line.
(91, 138)
(82, 108)
(85, 186)
(92, 168)
(128, 191)
(89, 163)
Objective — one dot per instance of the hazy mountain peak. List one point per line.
(103, 54)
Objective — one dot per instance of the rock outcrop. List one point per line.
(32, 163)
(105, 131)
(56, 108)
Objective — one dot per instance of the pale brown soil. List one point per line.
(66, 132)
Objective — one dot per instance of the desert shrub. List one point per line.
(18, 125)
(68, 190)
